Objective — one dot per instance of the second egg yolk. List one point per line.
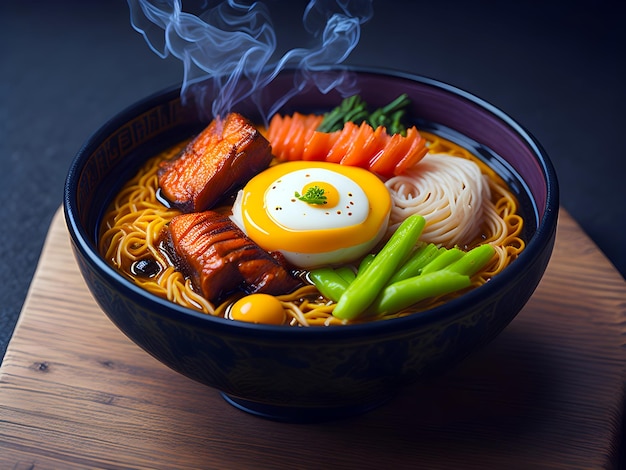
(259, 308)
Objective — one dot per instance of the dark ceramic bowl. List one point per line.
(314, 373)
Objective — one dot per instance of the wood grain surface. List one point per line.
(75, 393)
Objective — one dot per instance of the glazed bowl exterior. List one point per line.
(300, 373)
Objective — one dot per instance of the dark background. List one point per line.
(557, 67)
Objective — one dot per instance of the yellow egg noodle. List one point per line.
(131, 227)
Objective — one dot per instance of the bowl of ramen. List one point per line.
(311, 264)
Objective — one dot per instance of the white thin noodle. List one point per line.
(449, 192)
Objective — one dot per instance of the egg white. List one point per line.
(290, 214)
(295, 214)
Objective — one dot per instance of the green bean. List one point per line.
(368, 283)
(422, 256)
(402, 294)
(445, 258)
(346, 273)
(330, 284)
(473, 261)
(365, 262)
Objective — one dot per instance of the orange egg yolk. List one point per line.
(259, 308)
(330, 193)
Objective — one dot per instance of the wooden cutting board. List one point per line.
(547, 393)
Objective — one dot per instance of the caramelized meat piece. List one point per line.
(220, 159)
(219, 258)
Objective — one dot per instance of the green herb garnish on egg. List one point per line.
(313, 195)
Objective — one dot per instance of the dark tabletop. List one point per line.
(556, 67)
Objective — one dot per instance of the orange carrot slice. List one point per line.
(365, 143)
(295, 138)
(279, 128)
(385, 161)
(310, 123)
(273, 128)
(339, 149)
(414, 153)
(316, 148)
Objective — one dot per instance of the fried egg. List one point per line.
(314, 213)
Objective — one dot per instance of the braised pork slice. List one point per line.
(223, 157)
(219, 258)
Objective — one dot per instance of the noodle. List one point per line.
(464, 202)
(449, 192)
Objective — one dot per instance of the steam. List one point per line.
(232, 41)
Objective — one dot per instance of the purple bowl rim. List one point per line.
(543, 235)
